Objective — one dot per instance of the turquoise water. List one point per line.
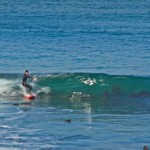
(92, 62)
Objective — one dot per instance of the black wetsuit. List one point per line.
(24, 80)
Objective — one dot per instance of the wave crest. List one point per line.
(78, 84)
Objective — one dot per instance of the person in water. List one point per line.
(24, 81)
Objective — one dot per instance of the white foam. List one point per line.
(76, 95)
(8, 87)
(45, 90)
(5, 86)
(89, 81)
(5, 126)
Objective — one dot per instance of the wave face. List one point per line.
(77, 84)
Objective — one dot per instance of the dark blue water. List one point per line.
(75, 36)
(67, 36)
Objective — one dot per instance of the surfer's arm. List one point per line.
(30, 77)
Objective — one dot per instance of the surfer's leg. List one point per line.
(29, 87)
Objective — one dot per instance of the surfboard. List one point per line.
(30, 96)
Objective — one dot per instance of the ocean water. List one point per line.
(91, 60)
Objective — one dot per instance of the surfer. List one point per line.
(24, 81)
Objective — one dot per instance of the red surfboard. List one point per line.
(30, 96)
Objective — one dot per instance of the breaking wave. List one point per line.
(77, 85)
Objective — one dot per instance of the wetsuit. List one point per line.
(24, 80)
